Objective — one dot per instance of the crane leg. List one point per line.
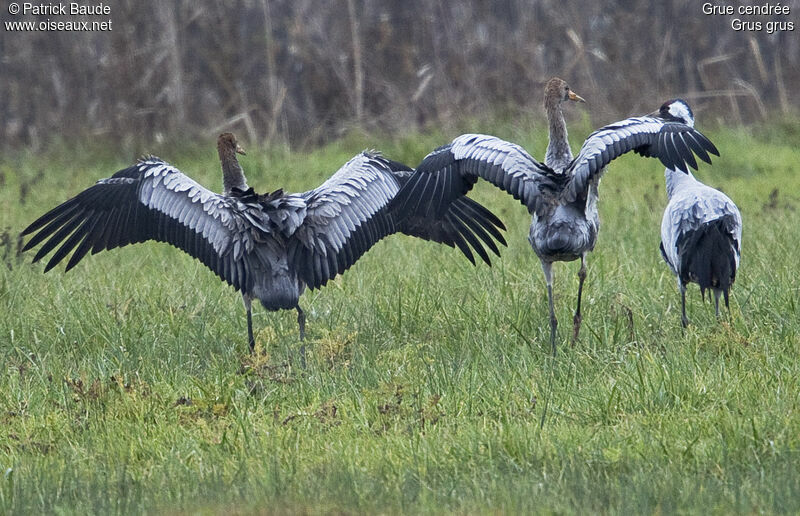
(249, 307)
(725, 295)
(717, 293)
(547, 267)
(684, 319)
(301, 322)
(576, 321)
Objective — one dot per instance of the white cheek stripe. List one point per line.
(680, 110)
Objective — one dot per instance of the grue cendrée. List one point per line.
(701, 231)
(269, 247)
(560, 194)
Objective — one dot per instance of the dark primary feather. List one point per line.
(696, 141)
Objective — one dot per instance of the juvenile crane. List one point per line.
(701, 231)
(561, 194)
(269, 247)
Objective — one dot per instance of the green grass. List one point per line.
(126, 384)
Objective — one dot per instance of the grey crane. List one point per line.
(269, 247)
(701, 230)
(561, 194)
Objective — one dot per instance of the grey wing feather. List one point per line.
(449, 172)
(672, 142)
(351, 212)
(341, 221)
(153, 200)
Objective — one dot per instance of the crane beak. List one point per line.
(240, 150)
(575, 97)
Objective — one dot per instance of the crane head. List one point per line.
(557, 90)
(227, 142)
(676, 110)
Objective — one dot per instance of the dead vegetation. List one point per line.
(303, 72)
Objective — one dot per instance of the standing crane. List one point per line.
(269, 247)
(701, 231)
(561, 194)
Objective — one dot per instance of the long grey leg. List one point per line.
(301, 322)
(576, 321)
(684, 319)
(248, 306)
(547, 268)
(717, 293)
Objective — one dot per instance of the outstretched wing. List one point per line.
(349, 213)
(450, 171)
(459, 225)
(153, 200)
(672, 142)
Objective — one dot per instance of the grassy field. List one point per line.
(126, 385)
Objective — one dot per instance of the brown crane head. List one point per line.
(557, 91)
(227, 145)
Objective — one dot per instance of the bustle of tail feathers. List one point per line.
(268, 197)
(707, 255)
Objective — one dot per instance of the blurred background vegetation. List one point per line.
(304, 72)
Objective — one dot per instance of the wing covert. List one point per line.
(345, 217)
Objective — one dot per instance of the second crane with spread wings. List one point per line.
(561, 193)
(269, 247)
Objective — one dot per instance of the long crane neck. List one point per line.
(559, 155)
(677, 180)
(232, 173)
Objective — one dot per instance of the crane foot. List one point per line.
(576, 327)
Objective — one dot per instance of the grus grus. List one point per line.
(701, 230)
(269, 247)
(561, 193)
